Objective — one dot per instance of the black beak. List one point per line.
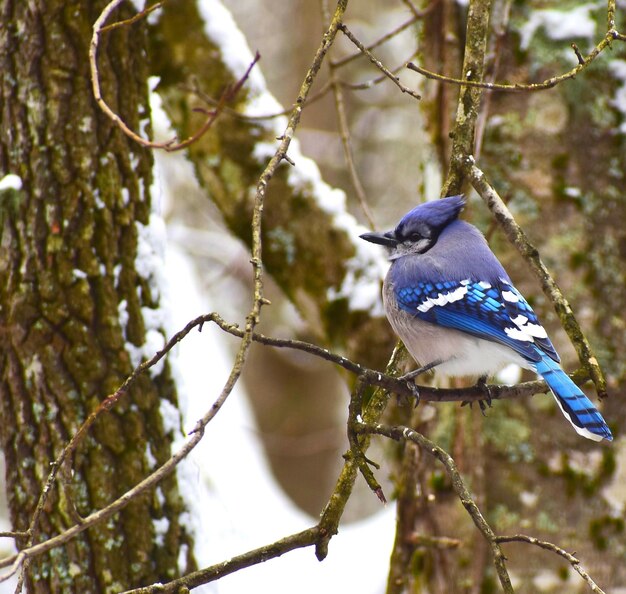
(387, 239)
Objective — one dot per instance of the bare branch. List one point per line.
(549, 83)
(140, 15)
(435, 542)
(11, 534)
(464, 132)
(170, 145)
(346, 140)
(323, 91)
(391, 383)
(418, 14)
(356, 452)
(300, 540)
(379, 64)
(575, 563)
(194, 88)
(390, 35)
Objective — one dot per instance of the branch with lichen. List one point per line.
(468, 105)
(548, 546)
(583, 62)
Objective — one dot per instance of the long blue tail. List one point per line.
(576, 407)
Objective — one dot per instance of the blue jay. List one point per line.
(455, 308)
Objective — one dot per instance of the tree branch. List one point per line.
(346, 141)
(374, 60)
(170, 145)
(389, 382)
(300, 540)
(464, 131)
(575, 563)
(549, 83)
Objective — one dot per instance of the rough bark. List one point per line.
(71, 297)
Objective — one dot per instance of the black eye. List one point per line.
(414, 237)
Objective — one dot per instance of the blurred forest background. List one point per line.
(558, 159)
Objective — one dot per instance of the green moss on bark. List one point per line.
(69, 243)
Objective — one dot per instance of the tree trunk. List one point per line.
(74, 298)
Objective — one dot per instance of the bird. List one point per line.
(449, 299)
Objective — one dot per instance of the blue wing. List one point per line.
(500, 313)
(496, 312)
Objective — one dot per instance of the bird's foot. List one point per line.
(484, 403)
(411, 398)
(408, 379)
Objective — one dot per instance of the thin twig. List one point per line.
(195, 89)
(371, 413)
(356, 452)
(314, 97)
(499, 20)
(171, 145)
(434, 542)
(346, 141)
(140, 15)
(13, 534)
(418, 14)
(575, 563)
(368, 84)
(548, 83)
(384, 38)
(374, 60)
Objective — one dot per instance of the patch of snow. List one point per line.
(161, 526)
(150, 252)
(560, 25)
(11, 182)
(79, 274)
(618, 70)
(171, 417)
(223, 31)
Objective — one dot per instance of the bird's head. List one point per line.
(419, 229)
